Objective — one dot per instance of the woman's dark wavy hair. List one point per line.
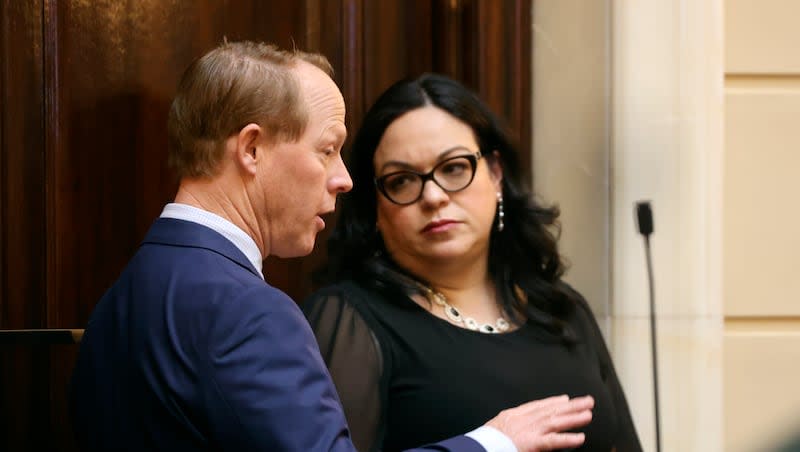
(524, 255)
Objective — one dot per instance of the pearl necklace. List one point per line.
(455, 316)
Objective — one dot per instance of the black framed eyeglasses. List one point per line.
(451, 175)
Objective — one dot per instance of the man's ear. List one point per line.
(496, 169)
(248, 144)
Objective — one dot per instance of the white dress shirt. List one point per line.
(230, 231)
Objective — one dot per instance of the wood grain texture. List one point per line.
(23, 371)
(86, 87)
(22, 167)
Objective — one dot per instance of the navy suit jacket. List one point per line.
(191, 350)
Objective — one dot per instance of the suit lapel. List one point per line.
(170, 231)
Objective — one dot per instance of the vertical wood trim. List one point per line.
(313, 25)
(50, 99)
(449, 36)
(353, 61)
(520, 92)
(3, 151)
(52, 141)
(417, 28)
(22, 175)
(23, 371)
(498, 63)
(491, 71)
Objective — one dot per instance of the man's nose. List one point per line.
(340, 182)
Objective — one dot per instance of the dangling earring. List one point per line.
(500, 213)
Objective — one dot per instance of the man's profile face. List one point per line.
(301, 179)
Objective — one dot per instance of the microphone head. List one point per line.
(644, 218)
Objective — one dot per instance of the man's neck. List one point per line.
(211, 196)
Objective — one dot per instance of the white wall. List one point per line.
(628, 105)
(571, 135)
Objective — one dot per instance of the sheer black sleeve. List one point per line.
(354, 357)
(627, 439)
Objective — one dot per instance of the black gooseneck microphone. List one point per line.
(644, 220)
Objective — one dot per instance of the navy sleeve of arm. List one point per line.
(268, 387)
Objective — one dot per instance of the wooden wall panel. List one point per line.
(23, 373)
(86, 88)
(386, 49)
(485, 45)
(113, 96)
(22, 167)
(497, 64)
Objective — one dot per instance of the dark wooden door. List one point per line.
(85, 91)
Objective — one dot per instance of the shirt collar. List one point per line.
(230, 231)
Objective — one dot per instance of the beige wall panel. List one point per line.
(761, 275)
(570, 134)
(762, 403)
(762, 36)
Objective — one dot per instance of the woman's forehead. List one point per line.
(422, 135)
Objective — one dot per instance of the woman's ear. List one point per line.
(496, 170)
(247, 152)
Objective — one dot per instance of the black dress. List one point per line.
(408, 378)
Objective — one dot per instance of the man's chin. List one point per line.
(298, 250)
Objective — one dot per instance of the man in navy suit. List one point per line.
(191, 349)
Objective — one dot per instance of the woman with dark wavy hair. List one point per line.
(444, 302)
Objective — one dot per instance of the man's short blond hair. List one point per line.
(233, 85)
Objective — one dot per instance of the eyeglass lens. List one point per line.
(453, 174)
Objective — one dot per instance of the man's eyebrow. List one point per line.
(335, 134)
